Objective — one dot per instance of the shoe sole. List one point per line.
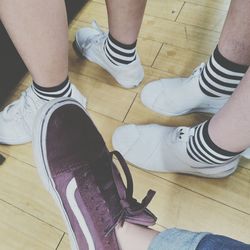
(39, 131)
(197, 110)
(215, 176)
(13, 142)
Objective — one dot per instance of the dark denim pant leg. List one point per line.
(218, 242)
(179, 239)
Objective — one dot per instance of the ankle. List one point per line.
(202, 148)
(50, 81)
(220, 77)
(134, 237)
(64, 89)
(222, 138)
(119, 53)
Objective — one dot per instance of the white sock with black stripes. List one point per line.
(202, 149)
(220, 76)
(119, 53)
(62, 90)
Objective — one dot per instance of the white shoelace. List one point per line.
(22, 108)
(197, 71)
(94, 39)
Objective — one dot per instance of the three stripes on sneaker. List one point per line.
(119, 53)
(62, 90)
(201, 148)
(220, 76)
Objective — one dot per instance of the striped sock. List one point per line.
(220, 76)
(118, 53)
(201, 148)
(62, 90)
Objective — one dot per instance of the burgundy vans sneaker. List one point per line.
(77, 169)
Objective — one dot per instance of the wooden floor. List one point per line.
(176, 36)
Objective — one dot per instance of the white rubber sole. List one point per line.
(208, 176)
(15, 142)
(186, 112)
(39, 146)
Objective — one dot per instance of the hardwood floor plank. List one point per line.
(234, 191)
(178, 61)
(21, 231)
(168, 9)
(217, 4)
(178, 207)
(20, 186)
(65, 244)
(103, 98)
(204, 17)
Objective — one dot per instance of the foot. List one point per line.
(179, 96)
(16, 120)
(163, 149)
(89, 43)
(77, 169)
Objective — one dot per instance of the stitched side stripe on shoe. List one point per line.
(70, 194)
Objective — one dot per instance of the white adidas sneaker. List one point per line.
(17, 119)
(179, 96)
(89, 43)
(163, 149)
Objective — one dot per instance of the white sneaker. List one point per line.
(163, 149)
(89, 43)
(179, 96)
(16, 120)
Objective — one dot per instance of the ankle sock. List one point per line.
(62, 90)
(202, 149)
(119, 53)
(220, 76)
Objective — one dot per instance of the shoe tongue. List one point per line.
(102, 170)
(146, 218)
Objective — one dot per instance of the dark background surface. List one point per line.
(12, 67)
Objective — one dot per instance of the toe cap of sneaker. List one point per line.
(13, 133)
(124, 138)
(150, 93)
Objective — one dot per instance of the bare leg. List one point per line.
(125, 18)
(234, 41)
(229, 128)
(39, 32)
(134, 237)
